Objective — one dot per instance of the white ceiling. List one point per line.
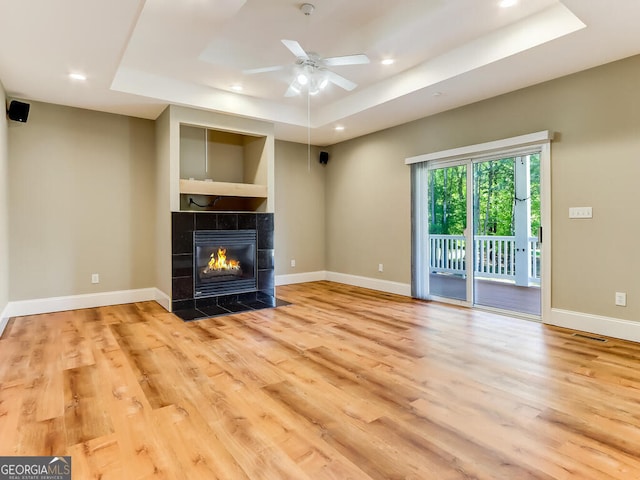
(139, 55)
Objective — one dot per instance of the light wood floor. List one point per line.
(346, 383)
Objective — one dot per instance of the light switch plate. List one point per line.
(580, 212)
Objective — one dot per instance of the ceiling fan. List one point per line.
(312, 72)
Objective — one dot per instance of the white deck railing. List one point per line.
(493, 256)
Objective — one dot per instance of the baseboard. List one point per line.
(300, 278)
(75, 302)
(163, 299)
(4, 319)
(372, 283)
(586, 322)
(355, 280)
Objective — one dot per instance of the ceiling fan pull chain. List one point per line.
(308, 132)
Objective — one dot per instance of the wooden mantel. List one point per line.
(222, 189)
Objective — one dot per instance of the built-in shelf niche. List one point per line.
(221, 169)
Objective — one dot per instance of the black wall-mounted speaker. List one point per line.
(324, 157)
(18, 111)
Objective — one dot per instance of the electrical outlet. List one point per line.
(95, 278)
(380, 267)
(621, 299)
(293, 262)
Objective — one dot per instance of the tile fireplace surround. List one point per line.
(183, 224)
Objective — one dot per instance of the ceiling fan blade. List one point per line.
(295, 48)
(341, 81)
(346, 60)
(252, 71)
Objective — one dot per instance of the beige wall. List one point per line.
(595, 162)
(4, 208)
(87, 193)
(300, 209)
(368, 206)
(163, 203)
(81, 201)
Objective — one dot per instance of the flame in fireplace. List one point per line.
(219, 262)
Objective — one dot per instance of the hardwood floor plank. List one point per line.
(326, 381)
(48, 436)
(85, 417)
(602, 459)
(99, 458)
(77, 350)
(139, 452)
(11, 398)
(193, 446)
(373, 455)
(244, 365)
(344, 383)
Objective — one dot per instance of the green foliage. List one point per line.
(494, 185)
(493, 202)
(535, 193)
(447, 200)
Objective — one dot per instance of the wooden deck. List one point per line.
(344, 383)
(490, 293)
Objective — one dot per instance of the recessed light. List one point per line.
(77, 76)
(236, 88)
(507, 3)
(339, 128)
(388, 61)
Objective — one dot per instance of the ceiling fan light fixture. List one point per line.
(302, 79)
(314, 89)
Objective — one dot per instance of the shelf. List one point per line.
(222, 189)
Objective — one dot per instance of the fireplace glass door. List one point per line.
(224, 262)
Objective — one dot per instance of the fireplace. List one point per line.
(224, 262)
(242, 240)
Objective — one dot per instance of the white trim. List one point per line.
(162, 299)
(301, 278)
(75, 302)
(372, 283)
(355, 280)
(483, 148)
(449, 301)
(3, 323)
(586, 322)
(545, 221)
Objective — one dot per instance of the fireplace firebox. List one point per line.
(224, 262)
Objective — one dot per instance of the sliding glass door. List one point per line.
(506, 226)
(447, 229)
(482, 226)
